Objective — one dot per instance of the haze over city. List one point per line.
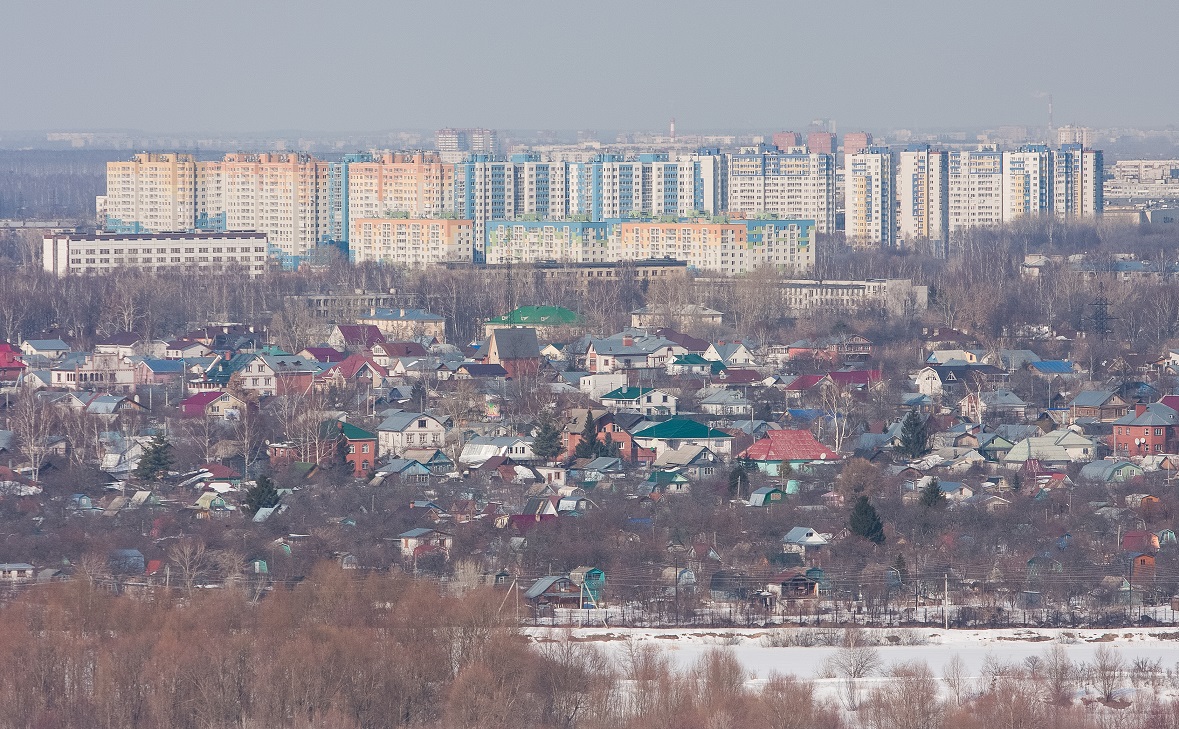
(611, 65)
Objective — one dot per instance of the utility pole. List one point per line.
(946, 601)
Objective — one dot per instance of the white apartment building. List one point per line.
(868, 198)
(1077, 182)
(976, 188)
(1027, 183)
(549, 240)
(922, 190)
(790, 185)
(74, 254)
(153, 192)
(283, 195)
(411, 242)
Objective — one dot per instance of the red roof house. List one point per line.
(794, 447)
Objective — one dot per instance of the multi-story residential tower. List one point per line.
(284, 195)
(1077, 182)
(976, 188)
(1027, 182)
(151, 192)
(869, 205)
(922, 191)
(785, 185)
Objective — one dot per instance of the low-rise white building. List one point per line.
(94, 253)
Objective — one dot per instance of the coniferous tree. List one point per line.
(901, 568)
(865, 522)
(156, 458)
(932, 496)
(546, 444)
(587, 447)
(914, 437)
(262, 495)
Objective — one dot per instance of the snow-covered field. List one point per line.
(934, 647)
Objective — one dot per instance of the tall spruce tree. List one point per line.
(156, 458)
(865, 522)
(587, 447)
(914, 437)
(932, 496)
(546, 443)
(262, 495)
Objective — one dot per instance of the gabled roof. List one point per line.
(789, 445)
(325, 354)
(692, 344)
(399, 421)
(200, 400)
(538, 316)
(475, 369)
(518, 343)
(351, 432)
(627, 393)
(681, 429)
(351, 366)
(1096, 399)
(360, 335)
(1053, 366)
(404, 349)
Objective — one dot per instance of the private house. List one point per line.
(417, 542)
(992, 403)
(185, 348)
(1058, 448)
(952, 380)
(404, 430)
(834, 350)
(11, 366)
(1145, 430)
(804, 541)
(630, 350)
(794, 585)
(212, 404)
(645, 400)
(1102, 406)
(480, 371)
(437, 462)
(11, 572)
(1140, 541)
(355, 337)
(106, 371)
(483, 448)
(732, 354)
(516, 350)
(360, 448)
(554, 591)
(677, 432)
(403, 471)
(325, 355)
(49, 349)
(797, 449)
(158, 371)
(406, 324)
(609, 429)
(727, 403)
(693, 461)
(358, 369)
(592, 582)
(124, 345)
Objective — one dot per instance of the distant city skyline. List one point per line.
(302, 66)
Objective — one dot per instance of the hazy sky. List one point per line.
(248, 65)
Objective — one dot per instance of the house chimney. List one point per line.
(628, 341)
(1139, 409)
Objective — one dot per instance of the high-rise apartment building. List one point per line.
(284, 195)
(854, 142)
(454, 145)
(868, 198)
(416, 185)
(785, 140)
(151, 192)
(534, 241)
(1077, 182)
(1027, 182)
(820, 142)
(1075, 135)
(922, 190)
(784, 185)
(976, 188)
